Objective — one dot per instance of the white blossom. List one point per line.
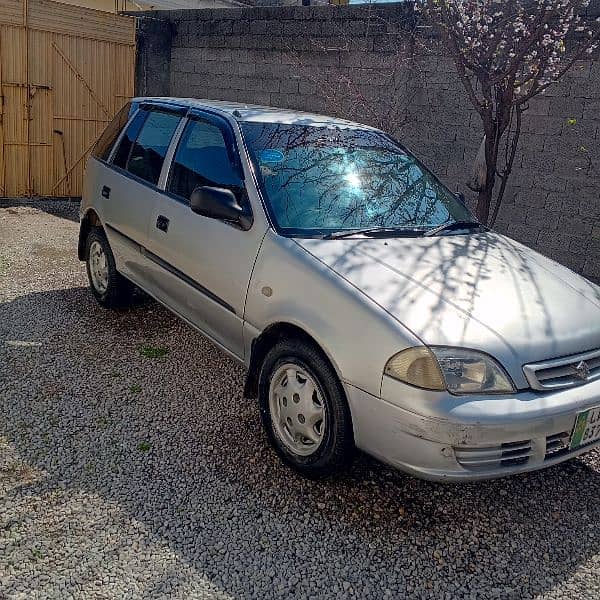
(528, 43)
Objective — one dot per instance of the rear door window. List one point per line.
(150, 148)
(202, 159)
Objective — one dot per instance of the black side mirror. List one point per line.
(220, 203)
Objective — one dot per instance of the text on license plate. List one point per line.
(587, 428)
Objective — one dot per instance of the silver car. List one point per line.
(370, 308)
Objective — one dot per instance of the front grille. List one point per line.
(557, 444)
(565, 372)
(510, 454)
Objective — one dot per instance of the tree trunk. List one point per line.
(484, 200)
(512, 145)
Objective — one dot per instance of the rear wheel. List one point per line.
(108, 286)
(304, 409)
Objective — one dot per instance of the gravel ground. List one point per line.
(127, 476)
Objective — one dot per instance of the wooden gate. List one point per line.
(64, 72)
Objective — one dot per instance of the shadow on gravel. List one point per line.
(64, 208)
(185, 456)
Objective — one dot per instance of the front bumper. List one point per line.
(464, 440)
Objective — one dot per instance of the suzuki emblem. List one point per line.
(582, 370)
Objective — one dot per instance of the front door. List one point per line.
(202, 265)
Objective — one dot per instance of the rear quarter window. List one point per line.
(109, 136)
(121, 155)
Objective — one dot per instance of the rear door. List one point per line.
(203, 265)
(127, 187)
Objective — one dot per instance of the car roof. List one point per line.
(254, 112)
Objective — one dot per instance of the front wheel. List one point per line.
(109, 287)
(304, 410)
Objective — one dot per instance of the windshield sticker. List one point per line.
(267, 171)
(271, 156)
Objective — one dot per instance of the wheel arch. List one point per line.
(267, 339)
(89, 220)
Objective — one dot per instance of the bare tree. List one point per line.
(374, 88)
(506, 52)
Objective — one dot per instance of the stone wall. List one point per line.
(294, 57)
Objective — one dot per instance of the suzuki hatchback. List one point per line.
(370, 307)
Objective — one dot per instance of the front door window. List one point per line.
(202, 159)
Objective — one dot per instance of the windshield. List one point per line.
(321, 179)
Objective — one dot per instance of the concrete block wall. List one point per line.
(292, 57)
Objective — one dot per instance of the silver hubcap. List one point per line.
(98, 267)
(297, 409)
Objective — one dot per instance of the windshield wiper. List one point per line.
(454, 225)
(374, 232)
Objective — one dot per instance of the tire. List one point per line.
(328, 447)
(108, 286)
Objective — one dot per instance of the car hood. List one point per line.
(482, 291)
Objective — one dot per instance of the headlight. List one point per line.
(457, 370)
(418, 367)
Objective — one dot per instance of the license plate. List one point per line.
(587, 428)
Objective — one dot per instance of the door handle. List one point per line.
(105, 191)
(162, 223)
